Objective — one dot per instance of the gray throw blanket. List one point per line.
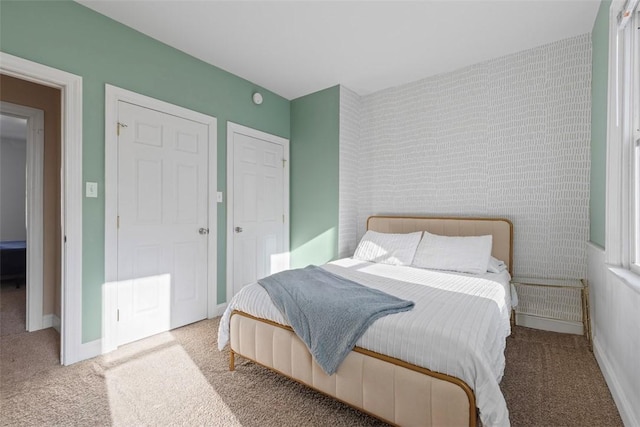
(328, 313)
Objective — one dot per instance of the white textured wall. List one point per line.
(615, 325)
(13, 155)
(508, 138)
(348, 168)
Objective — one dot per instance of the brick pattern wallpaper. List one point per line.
(348, 169)
(507, 138)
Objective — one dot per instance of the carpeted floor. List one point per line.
(180, 378)
(553, 379)
(13, 307)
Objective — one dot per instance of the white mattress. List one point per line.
(458, 326)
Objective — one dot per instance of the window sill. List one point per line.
(627, 276)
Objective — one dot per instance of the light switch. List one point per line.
(219, 197)
(92, 189)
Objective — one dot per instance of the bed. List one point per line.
(445, 377)
(13, 259)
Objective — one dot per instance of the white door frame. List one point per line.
(35, 234)
(70, 86)
(113, 95)
(233, 128)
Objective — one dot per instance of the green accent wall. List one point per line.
(314, 177)
(599, 77)
(73, 38)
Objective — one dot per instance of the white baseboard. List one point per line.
(95, 348)
(624, 406)
(51, 321)
(90, 349)
(219, 311)
(562, 326)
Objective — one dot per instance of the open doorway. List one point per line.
(72, 348)
(13, 224)
(31, 190)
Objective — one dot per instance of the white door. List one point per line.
(34, 134)
(162, 214)
(260, 201)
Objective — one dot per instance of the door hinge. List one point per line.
(118, 222)
(117, 315)
(283, 162)
(118, 126)
(283, 219)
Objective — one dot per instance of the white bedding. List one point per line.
(458, 326)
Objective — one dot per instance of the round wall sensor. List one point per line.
(257, 98)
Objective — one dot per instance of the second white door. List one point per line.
(162, 214)
(260, 202)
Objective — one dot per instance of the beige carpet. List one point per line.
(553, 379)
(13, 307)
(180, 378)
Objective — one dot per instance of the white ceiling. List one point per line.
(294, 48)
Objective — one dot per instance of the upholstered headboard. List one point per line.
(501, 229)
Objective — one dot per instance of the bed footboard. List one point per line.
(392, 390)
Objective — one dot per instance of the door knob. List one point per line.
(203, 231)
(238, 229)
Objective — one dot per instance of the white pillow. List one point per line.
(468, 254)
(388, 248)
(496, 265)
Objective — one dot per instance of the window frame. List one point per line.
(634, 154)
(622, 241)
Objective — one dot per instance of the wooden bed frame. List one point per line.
(392, 390)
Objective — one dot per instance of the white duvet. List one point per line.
(458, 326)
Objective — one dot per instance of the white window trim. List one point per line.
(635, 151)
(619, 224)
